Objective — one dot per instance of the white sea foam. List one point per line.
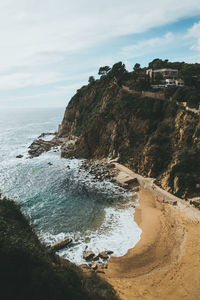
(118, 233)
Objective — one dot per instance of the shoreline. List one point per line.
(165, 263)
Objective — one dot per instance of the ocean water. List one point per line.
(60, 200)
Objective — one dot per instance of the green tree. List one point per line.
(142, 84)
(181, 94)
(103, 71)
(158, 64)
(190, 73)
(118, 70)
(170, 91)
(91, 80)
(136, 67)
(158, 78)
(193, 99)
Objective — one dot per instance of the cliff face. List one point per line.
(154, 137)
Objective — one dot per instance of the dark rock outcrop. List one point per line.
(61, 244)
(100, 170)
(88, 255)
(40, 146)
(46, 134)
(104, 255)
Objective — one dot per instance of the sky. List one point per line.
(49, 48)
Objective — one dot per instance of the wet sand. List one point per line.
(165, 263)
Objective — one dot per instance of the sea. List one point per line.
(59, 199)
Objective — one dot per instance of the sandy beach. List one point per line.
(165, 263)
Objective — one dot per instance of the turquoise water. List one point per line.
(61, 202)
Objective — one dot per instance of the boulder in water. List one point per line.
(103, 255)
(109, 252)
(61, 244)
(87, 255)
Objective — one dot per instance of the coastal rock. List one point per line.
(40, 146)
(104, 266)
(132, 183)
(46, 134)
(19, 156)
(88, 255)
(109, 252)
(94, 266)
(61, 244)
(176, 184)
(96, 257)
(100, 170)
(103, 255)
(84, 266)
(101, 272)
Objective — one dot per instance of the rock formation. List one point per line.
(156, 138)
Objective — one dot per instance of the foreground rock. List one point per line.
(94, 266)
(103, 255)
(46, 134)
(101, 170)
(109, 252)
(19, 156)
(61, 244)
(132, 183)
(88, 255)
(39, 146)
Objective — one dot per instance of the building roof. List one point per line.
(165, 70)
(179, 80)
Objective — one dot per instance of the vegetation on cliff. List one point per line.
(29, 270)
(154, 137)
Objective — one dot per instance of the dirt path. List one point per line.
(165, 263)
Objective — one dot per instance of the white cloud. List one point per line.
(194, 34)
(147, 45)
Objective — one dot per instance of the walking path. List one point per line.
(148, 183)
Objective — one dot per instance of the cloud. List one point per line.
(20, 80)
(66, 91)
(51, 95)
(40, 42)
(29, 32)
(147, 46)
(194, 34)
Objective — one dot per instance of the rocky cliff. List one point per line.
(154, 137)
